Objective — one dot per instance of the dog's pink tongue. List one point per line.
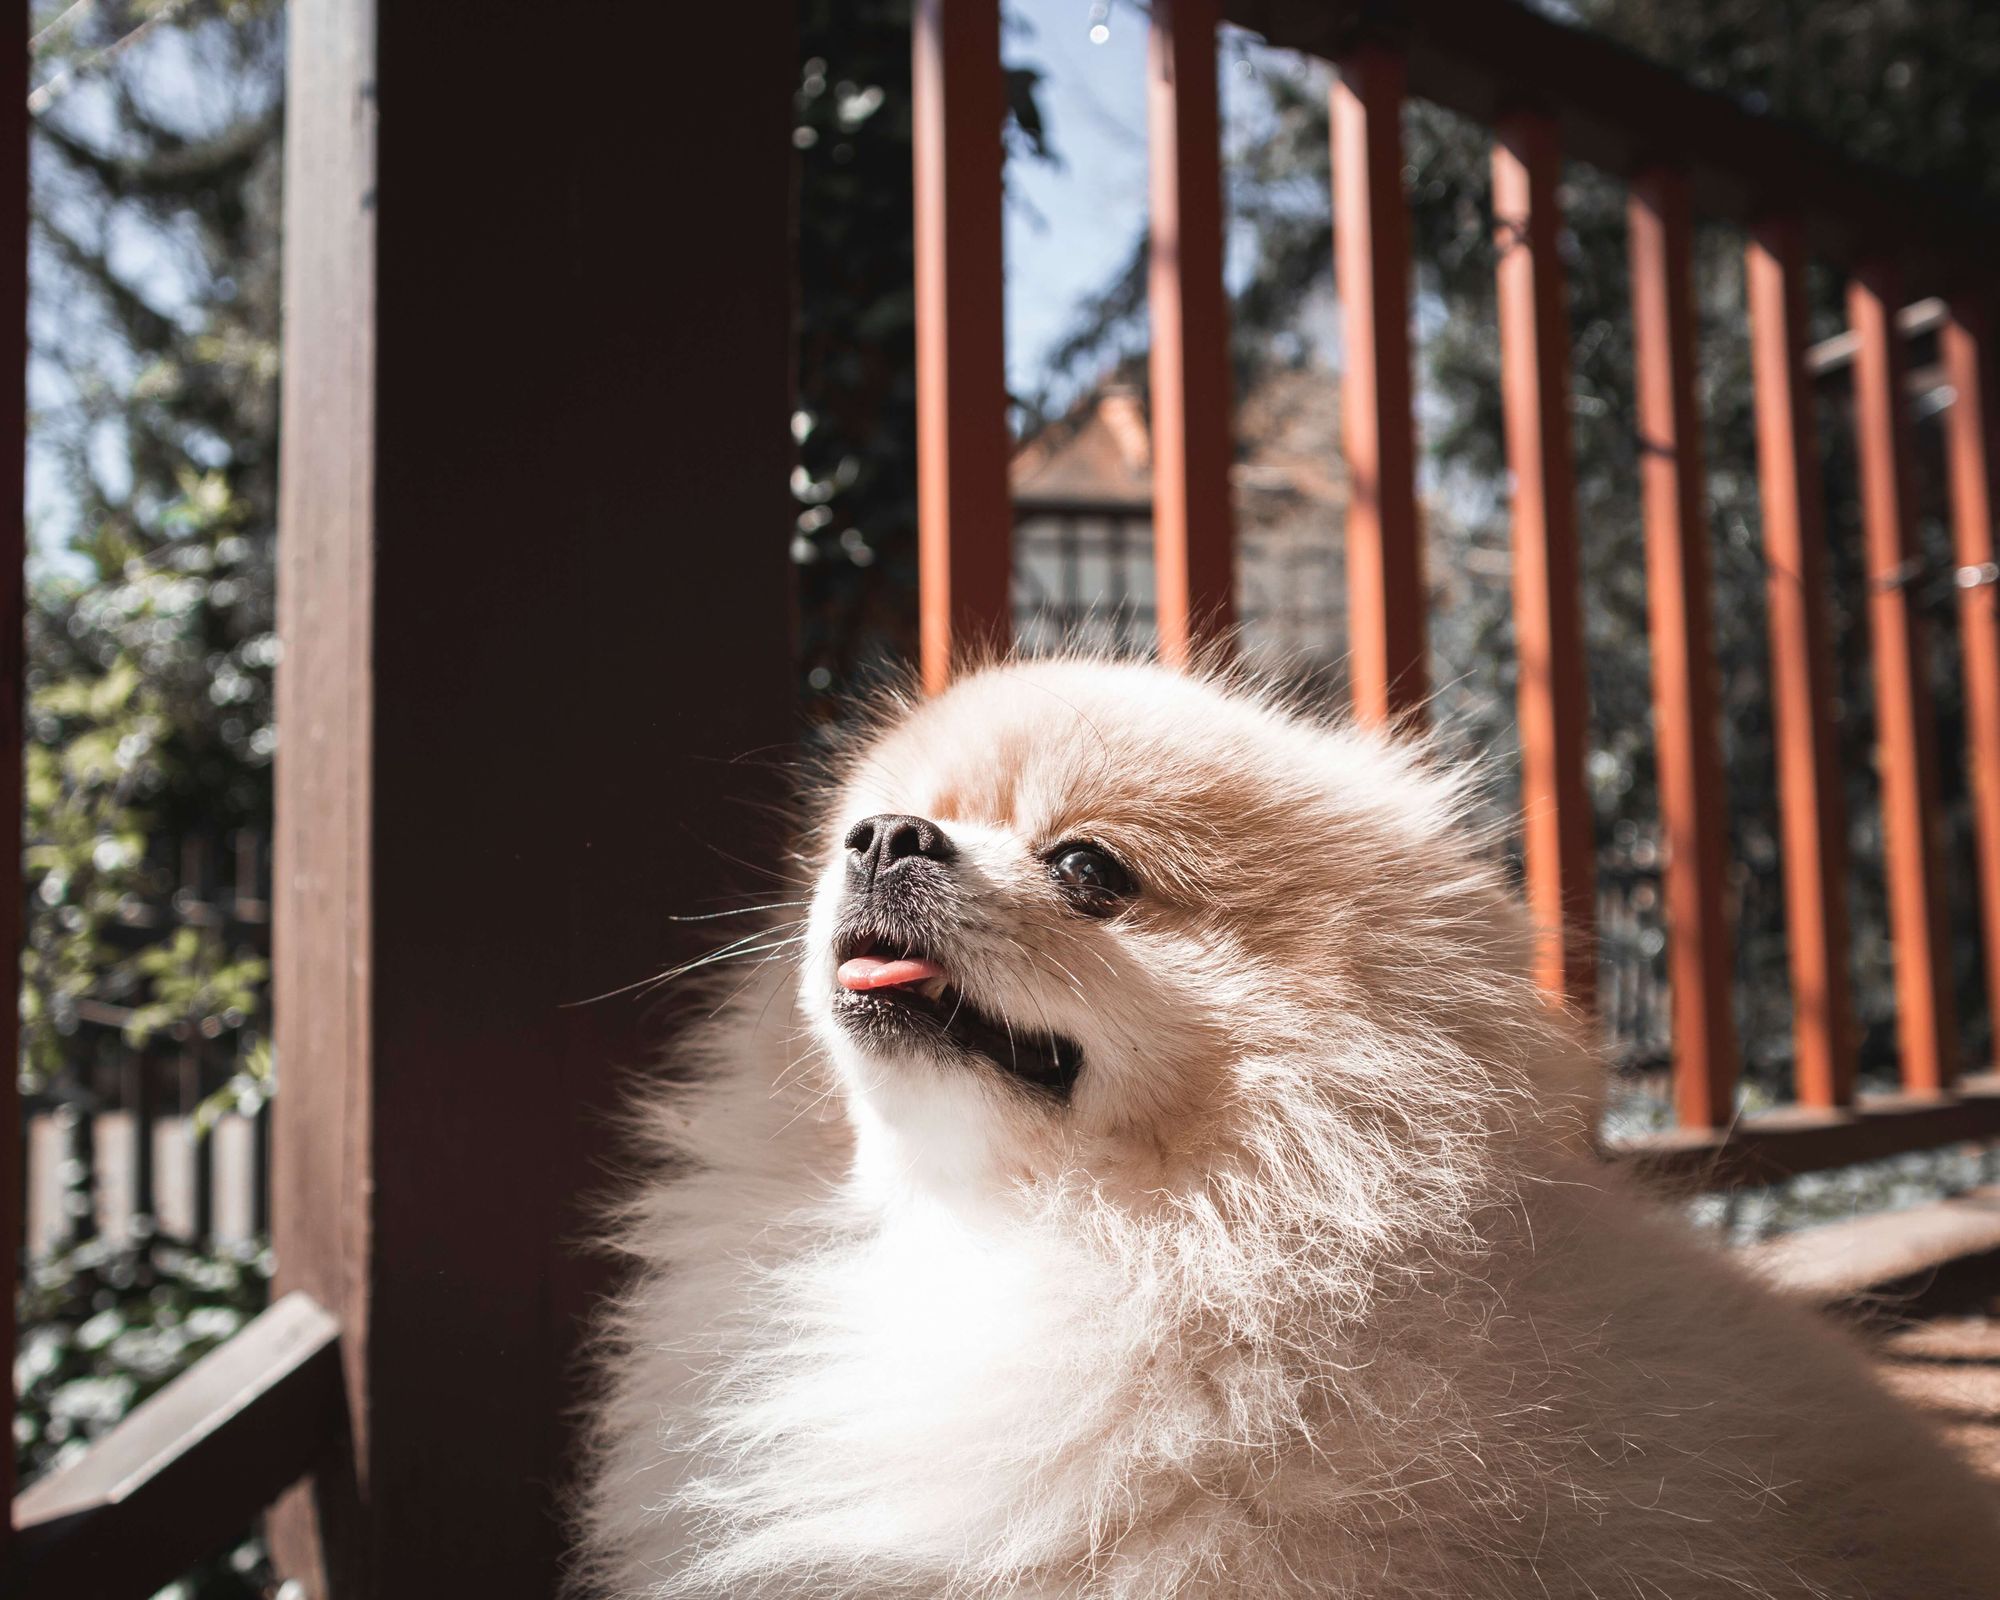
(872, 972)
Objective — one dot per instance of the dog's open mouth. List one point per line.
(896, 991)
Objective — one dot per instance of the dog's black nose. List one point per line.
(876, 845)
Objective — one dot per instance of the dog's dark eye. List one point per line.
(1091, 879)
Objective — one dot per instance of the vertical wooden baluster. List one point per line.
(1193, 525)
(1548, 623)
(1686, 701)
(1371, 235)
(1968, 435)
(1926, 1022)
(964, 513)
(13, 556)
(1813, 811)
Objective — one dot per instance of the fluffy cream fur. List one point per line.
(1313, 1288)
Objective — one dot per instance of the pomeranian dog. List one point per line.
(1147, 1170)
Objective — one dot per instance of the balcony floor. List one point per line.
(1950, 1366)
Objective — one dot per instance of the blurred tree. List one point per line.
(156, 167)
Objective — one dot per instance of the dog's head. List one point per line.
(1109, 921)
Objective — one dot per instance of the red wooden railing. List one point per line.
(1549, 93)
(1371, 236)
(1194, 546)
(422, 1288)
(963, 512)
(1548, 620)
(1813, 813)
(1685, 696)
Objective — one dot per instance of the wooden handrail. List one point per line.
(187, 1471)
(1800, 1138)
(1625, 114)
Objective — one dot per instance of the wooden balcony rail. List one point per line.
(1624, 115)
(1553, 92)
(1782, 1143)
(188, 1471)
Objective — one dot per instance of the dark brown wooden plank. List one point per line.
(188, 1471)
(1194, 540)
(1881, 1255)
(1548, 613)
(965, 521)
(1371, 239)
(1623, 114)
(1780, 1144)
(510, 697)
(1969, 446)
(13, 557)
(1812, 809)
(1905, 726)
(1686, 698)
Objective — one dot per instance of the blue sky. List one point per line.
(1069, 229)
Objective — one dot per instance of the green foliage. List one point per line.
(154, 447)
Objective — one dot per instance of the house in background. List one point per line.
(1083, 527)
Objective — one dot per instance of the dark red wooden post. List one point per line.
(1371, 237)
(1969, 445)
(1193, 525)
(1686, 700)
(1906, 733)
(13, 557)
(1813, 814)
(1548, 620)
(510, 688)
(965, 518)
